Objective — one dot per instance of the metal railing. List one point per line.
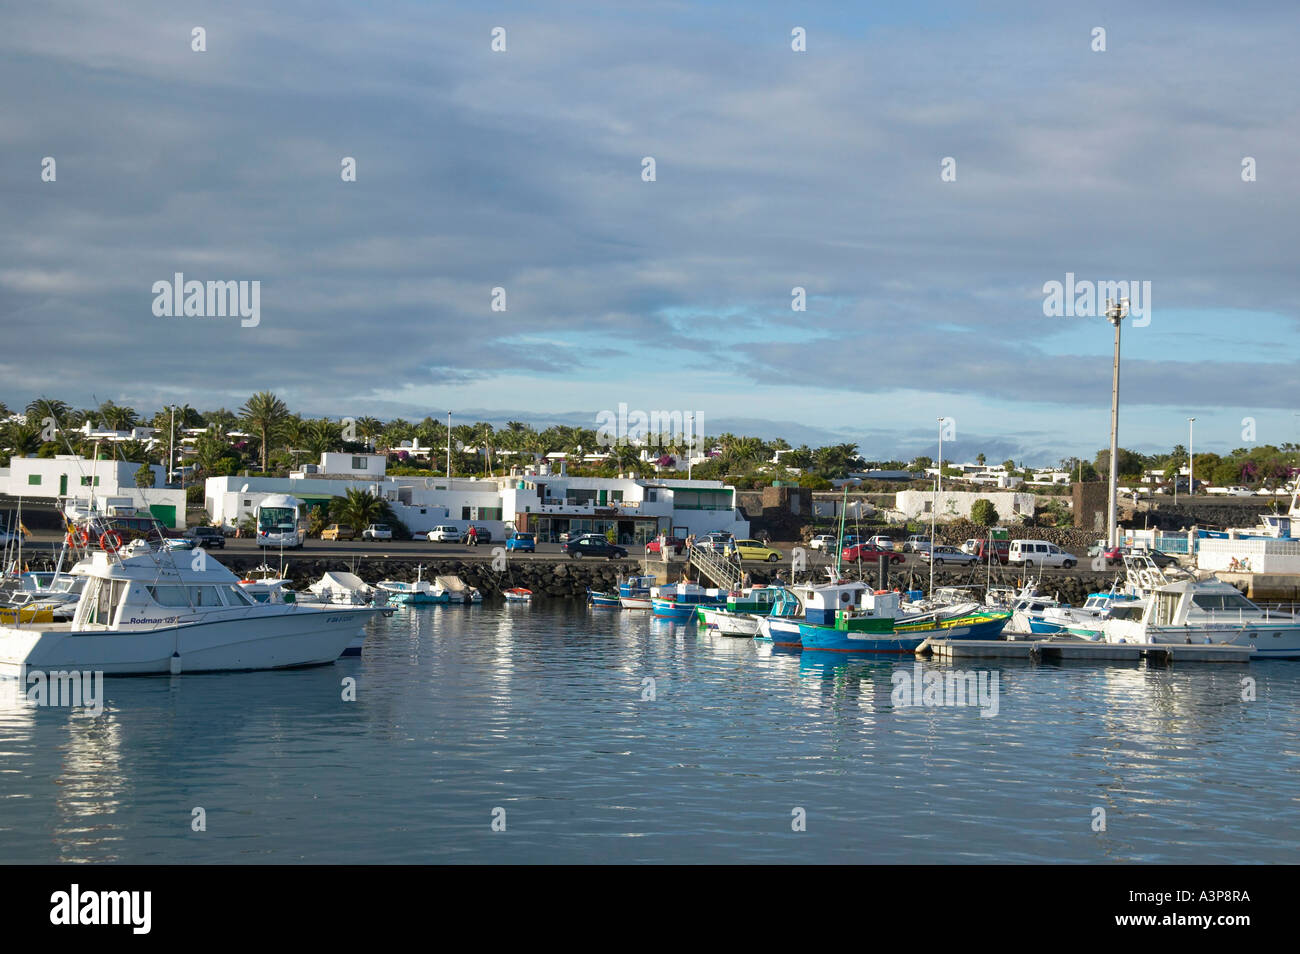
(716, 567)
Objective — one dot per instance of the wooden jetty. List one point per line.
(1061, 650)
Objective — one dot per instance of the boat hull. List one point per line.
(301, 636)
(728, 623)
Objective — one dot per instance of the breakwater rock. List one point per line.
(548, 579)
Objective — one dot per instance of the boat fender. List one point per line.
(110, 540)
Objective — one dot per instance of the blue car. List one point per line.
(524, 542)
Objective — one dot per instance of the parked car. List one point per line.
(523, 542)
(881, 542)
(1160, 558)
(1236, 491)
(484, 535)
(1040, 553)
(943, 555)
(338, 531)
(445, 534)
(676, 544)
(971, 545)
(757, 550)
(823, 541)
(377, 531)
(1001, 551)
(916, 543)
(593, 546)
(207, 537)
(868, 554)
(716, 540)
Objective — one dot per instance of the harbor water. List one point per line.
(557, 733)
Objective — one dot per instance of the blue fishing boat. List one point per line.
(634, 592)
(850, 617)
(603, 600)
(679, 601)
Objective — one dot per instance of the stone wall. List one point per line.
(559, 579)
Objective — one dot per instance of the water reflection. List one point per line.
(542, 708)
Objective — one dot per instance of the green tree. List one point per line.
(357, 509)
(983, 513)
(265, 414)
(43, 409)
(144, 476)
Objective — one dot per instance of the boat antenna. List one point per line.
(839, 549)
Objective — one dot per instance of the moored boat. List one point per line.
(517, 594)
(145, 612)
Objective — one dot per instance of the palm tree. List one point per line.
(627, 457)
(358, 509)
(220, 422)
(21, 439)
(43, 409)
(369, 428)
(266, 414)
(117, 417)
(321, 436)
(484, 435)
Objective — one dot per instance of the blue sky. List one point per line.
(775, 169)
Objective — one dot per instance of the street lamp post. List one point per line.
(449, 450)
(1115, 313)
(1191, 459)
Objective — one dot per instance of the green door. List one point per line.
(165, 513)
(63, 485)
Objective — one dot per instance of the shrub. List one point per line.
(983, 513)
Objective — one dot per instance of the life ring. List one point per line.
(82, 537)
(110, 540)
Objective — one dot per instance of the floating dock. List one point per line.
(1059, 650)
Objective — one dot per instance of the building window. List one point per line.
(33, 479)
(248, 503)
(360, 463)
(616, 496)
(86, 481)
(464, 513)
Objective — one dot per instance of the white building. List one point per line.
(956, 504)
(537, 500)
(68, 479)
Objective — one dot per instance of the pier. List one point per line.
(1082, 650)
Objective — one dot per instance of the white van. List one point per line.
(1040, 553)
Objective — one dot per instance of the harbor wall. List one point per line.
(570, 579)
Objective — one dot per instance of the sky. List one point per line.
(774, 169)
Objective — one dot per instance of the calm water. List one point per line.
(540, 712)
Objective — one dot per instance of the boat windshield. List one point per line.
(1220, 602)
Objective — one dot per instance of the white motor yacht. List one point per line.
(145, 611)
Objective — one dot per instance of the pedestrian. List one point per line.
(471, 536)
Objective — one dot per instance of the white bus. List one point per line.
(280, 522)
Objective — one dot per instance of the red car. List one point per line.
(1001, 550)
(868, 554)
(676, 543)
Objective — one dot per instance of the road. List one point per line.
(346, 550)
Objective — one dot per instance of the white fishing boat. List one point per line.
(415, 592)
(458, 591)
(342, 589)
(145, 611)
(1208, 611)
